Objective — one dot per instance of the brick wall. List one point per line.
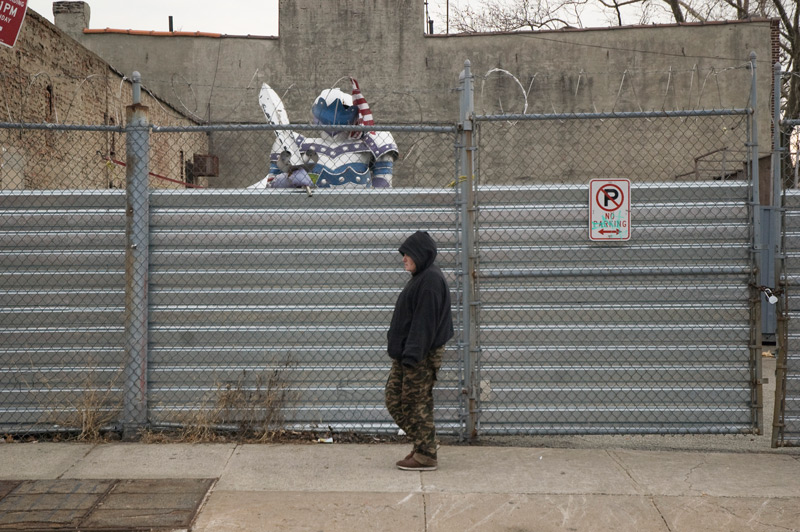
(50, 78)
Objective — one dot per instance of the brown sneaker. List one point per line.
(411, 464)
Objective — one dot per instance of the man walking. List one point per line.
(421, 326)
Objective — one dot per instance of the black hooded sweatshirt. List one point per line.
(422, 320)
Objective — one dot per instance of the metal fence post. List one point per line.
(757, 235)
(775, 247)
(771, 226)
(763, 274)
(781, 336)
(467, 206)
(137, 240)
(774, 241)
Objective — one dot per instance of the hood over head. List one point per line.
(420, 247)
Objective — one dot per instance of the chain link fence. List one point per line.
(786, 430)
(223, 309)
(270, 304)
(62, 280)
(200, 298)
(650, 334)
(644, 147)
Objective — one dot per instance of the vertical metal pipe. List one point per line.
(776, 247)
(770, 211)
(469, 310)
(760, 256)
(137, 88)
(773, 242)
(781, 336)
(777, 184)
(754, 153)
(779, 408)
(137, 244)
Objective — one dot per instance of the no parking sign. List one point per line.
(609, 209)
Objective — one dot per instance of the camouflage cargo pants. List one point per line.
(409, 399)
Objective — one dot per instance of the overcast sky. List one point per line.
(231, 17)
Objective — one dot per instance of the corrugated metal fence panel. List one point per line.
(62, 279)
(790, 432)
(264, 300)
(274, 300)
(647, 335)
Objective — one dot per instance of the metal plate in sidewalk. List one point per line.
(108, 505)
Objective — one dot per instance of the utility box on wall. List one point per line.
(200, 168)
(205, 165)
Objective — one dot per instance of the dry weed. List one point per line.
(95, 405)
(251, 411)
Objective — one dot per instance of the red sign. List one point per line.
(12, 13)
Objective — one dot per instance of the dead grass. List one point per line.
(95, 406)
(247, 410)
(250, 409)
(96, 410)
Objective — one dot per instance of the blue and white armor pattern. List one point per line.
(337, 158)
(341, 161)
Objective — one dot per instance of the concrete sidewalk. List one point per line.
(347, 487)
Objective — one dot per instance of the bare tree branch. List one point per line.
(675, 6)
(515, 15)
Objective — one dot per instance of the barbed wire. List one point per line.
(540, 79)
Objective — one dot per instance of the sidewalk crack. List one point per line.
(234, 449)
(425, 512)
(424, 502)
(72, 465)
(661, 515)
(617, 460)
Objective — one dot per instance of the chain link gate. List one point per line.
(638, 338)
(786, 429)
(657, 334)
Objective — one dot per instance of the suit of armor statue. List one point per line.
(336, 158)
